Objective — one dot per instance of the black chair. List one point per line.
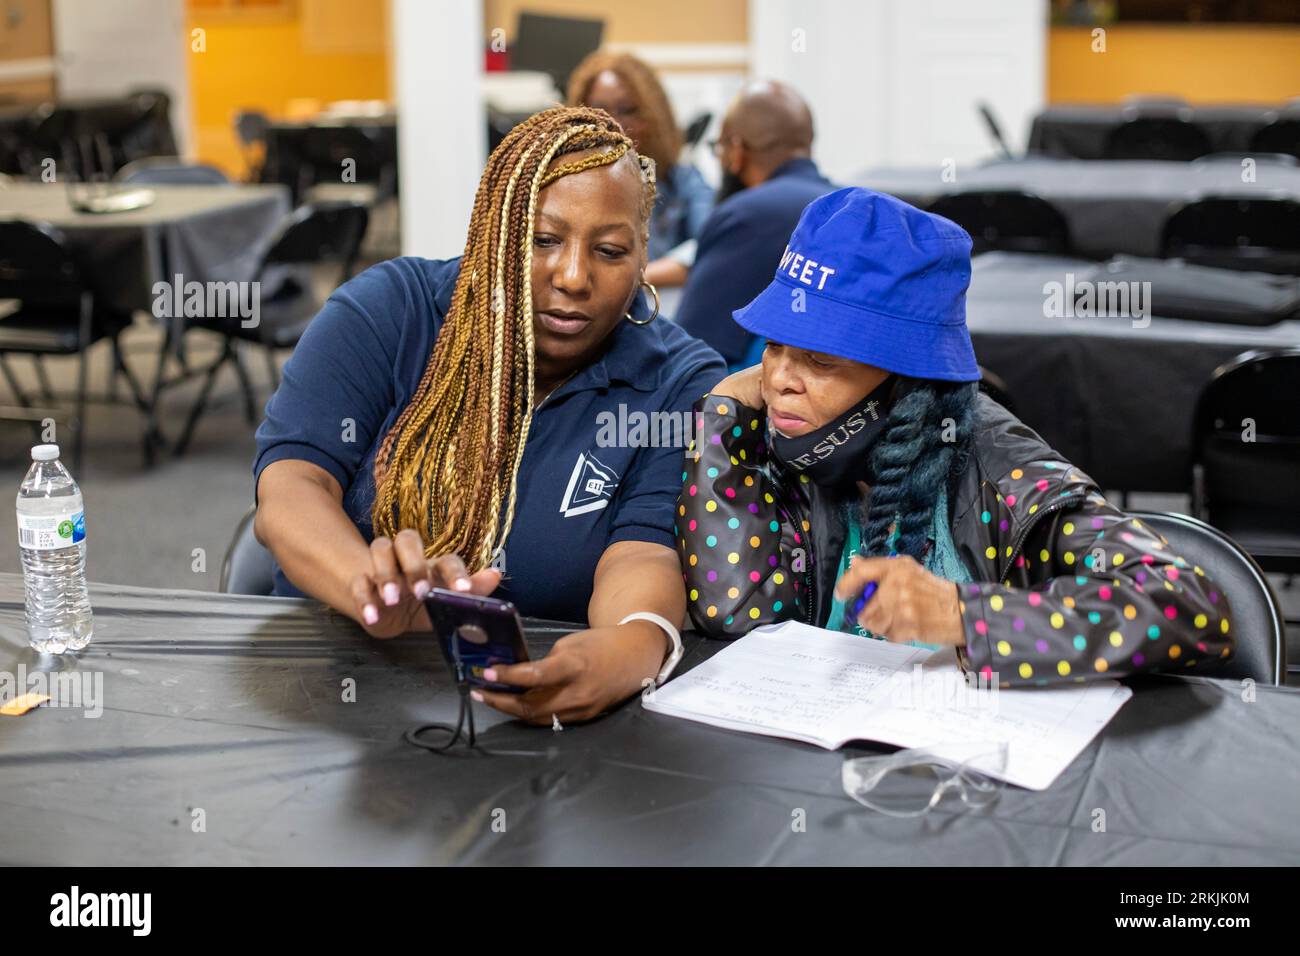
(58, 313)
(1156, 137)
(1246, 455)
(1258, 235)
(92, 140)
(312, 235)
(153, 134)
(1280, 136)
(1256, 617)
(1008, 220)
(52, 136)
(695, 130)
(169, 171)
(18, 153)
(325, 150)
(250, 127)
(247, 566)
(994, 128)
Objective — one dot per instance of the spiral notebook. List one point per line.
(827, 688)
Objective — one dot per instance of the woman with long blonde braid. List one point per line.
(462, 424)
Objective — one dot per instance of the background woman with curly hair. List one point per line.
(628, 90)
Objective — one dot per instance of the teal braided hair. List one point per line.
(911, 463)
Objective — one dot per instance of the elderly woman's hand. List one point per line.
(745, 386)
(910, 603)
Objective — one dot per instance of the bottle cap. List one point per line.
(45, 452)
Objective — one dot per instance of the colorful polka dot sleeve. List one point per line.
(742, 556)
(1077, 590)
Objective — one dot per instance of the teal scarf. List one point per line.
(941, 560)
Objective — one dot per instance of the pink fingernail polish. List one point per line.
(462, 584)
(421, 590)
(392, 594)
(490, 674)
(370, 614)
(475, 695)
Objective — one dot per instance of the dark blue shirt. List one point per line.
(739, 249)
(585, 481)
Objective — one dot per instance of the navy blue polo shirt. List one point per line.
(585, 481)
(739, 247)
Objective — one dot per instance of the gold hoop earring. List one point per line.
(653, 315)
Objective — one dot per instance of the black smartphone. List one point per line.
(477, 633)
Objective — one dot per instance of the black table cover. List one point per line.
(234, 706)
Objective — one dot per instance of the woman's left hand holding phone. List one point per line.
(388, 596)
(585, 674)
(588, 672)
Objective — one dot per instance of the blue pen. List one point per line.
(861, 602)
(867, 593)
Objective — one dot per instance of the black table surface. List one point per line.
(234, 706)
(202, 233)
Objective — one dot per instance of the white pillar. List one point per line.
(441, 124)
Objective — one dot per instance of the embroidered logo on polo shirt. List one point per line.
(590, 486)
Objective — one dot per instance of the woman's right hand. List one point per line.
(745, 386)
(388, 597)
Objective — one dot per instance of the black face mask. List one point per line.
(839, 452)
(729, 186)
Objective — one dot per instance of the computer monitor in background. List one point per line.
(554, 45)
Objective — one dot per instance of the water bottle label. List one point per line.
(51, 532)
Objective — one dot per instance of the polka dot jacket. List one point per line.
(1067, 587)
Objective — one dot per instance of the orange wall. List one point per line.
(631, 21)
(262, 62)
(1207, 64)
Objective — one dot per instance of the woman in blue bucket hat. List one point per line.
(858, 480)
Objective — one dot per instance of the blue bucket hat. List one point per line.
(882, 283)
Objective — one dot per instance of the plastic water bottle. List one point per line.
(52, 539)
